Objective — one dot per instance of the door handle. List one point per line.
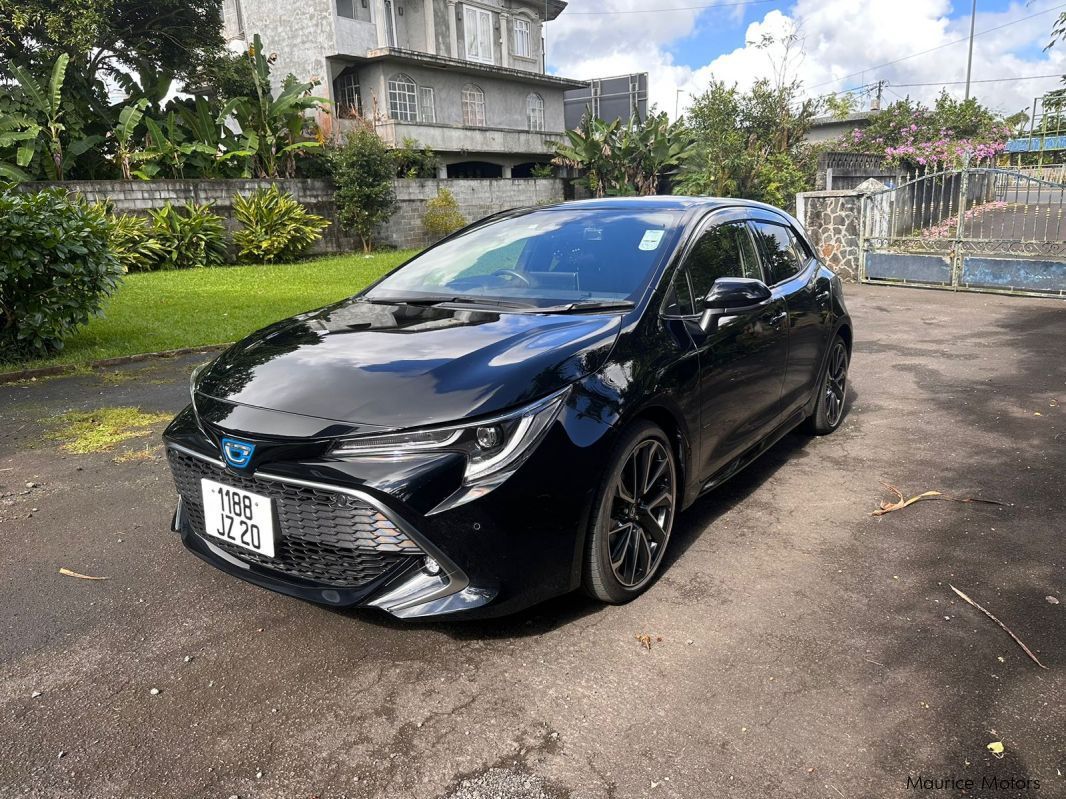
(822, 296)
(777, 318)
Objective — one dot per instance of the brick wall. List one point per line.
(476, 198)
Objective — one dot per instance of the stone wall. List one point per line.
(832, 220)
(476, 198)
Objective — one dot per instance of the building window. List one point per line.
(477, 27)
(535, 112)
(403, 99)
(346, 95)
(232, 21)
(523, 42)
(429, 108)
(346, 8)
(473, 106)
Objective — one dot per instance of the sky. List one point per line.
(840, 45)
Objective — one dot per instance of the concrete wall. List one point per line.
(302, 36)
(832, 220)
(477, 199)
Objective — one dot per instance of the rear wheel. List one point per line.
(635, 514)
(832, 392)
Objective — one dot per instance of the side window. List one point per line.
(782, 255)
(723, 251)
(678, 300)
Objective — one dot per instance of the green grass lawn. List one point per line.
(157, 311)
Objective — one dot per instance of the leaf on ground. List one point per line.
(903, 501)
(996, 748)
(645, 641)
(67, 572)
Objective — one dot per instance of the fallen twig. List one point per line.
(887, 507)
(70, 573)
(1003, 626)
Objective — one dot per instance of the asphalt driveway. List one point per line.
(798, 646)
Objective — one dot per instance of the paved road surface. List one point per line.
(808, 649)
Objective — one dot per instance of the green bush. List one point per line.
(191, 237)
(275, 227)
(134, 243)
(443, 215)
(56, 270)
(363, 172)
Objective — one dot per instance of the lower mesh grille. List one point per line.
(323, 536)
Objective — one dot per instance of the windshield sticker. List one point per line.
(651, 239)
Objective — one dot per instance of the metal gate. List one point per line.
(972, 229)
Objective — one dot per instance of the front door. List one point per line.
(743, 356)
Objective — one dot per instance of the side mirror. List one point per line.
(732, 295)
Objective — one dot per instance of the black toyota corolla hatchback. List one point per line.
(519, 411)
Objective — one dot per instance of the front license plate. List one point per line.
(239, 517)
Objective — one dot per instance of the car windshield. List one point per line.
(541, 258)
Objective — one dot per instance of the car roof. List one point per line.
(664, 203)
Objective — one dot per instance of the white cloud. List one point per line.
(844, 42)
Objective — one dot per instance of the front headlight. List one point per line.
(494, 447)
(192, 382)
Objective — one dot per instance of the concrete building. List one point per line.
(622, 97)
(463, 77)
(830, 128)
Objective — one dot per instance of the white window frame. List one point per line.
(473, 106)
(427, 110)
(233, 28)
(344, 84)
(535, 112)
(472, 19)
(403, 103)
(523, 37)
(349, 3)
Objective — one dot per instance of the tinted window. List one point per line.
(782, 255)
(723, 251)
(544, 257)
(679, 297)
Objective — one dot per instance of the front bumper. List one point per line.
(357, 532)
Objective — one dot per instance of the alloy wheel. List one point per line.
(836, 383)
(642, 513)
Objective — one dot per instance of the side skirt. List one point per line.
(744, 460)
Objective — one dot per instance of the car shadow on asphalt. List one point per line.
(695, 521)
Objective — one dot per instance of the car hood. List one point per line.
(392, 366)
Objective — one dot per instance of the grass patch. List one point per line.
(147, 453)
(101, 430)
(157, 311)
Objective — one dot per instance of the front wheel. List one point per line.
(635, 514)
(832, 392)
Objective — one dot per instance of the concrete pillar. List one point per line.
(505, 48)
(506, 170)
(453, 31)
(431, 27)
(442, 171)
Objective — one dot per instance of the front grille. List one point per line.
(320, 535)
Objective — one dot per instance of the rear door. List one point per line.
(743, 356)
(792, 273)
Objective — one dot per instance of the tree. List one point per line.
(634, 159)
(363, 172)
(749, 144)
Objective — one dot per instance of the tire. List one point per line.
(631, 526)
(831, 406)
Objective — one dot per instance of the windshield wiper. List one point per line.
(586, 306)
(438, 299)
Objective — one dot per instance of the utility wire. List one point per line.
(667, 10)
(939, 47)
(986, 80)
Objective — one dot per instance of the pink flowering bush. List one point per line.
(945, 136)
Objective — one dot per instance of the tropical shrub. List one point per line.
(442, 215)
(191, 237)
(134, 243)
(56, 270)
(274, 226)
(414, 161)
(363, 173)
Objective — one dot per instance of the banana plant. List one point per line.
(217, 146)
(126, 152)
(591, 149)
(43, 106)
(17, 132)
